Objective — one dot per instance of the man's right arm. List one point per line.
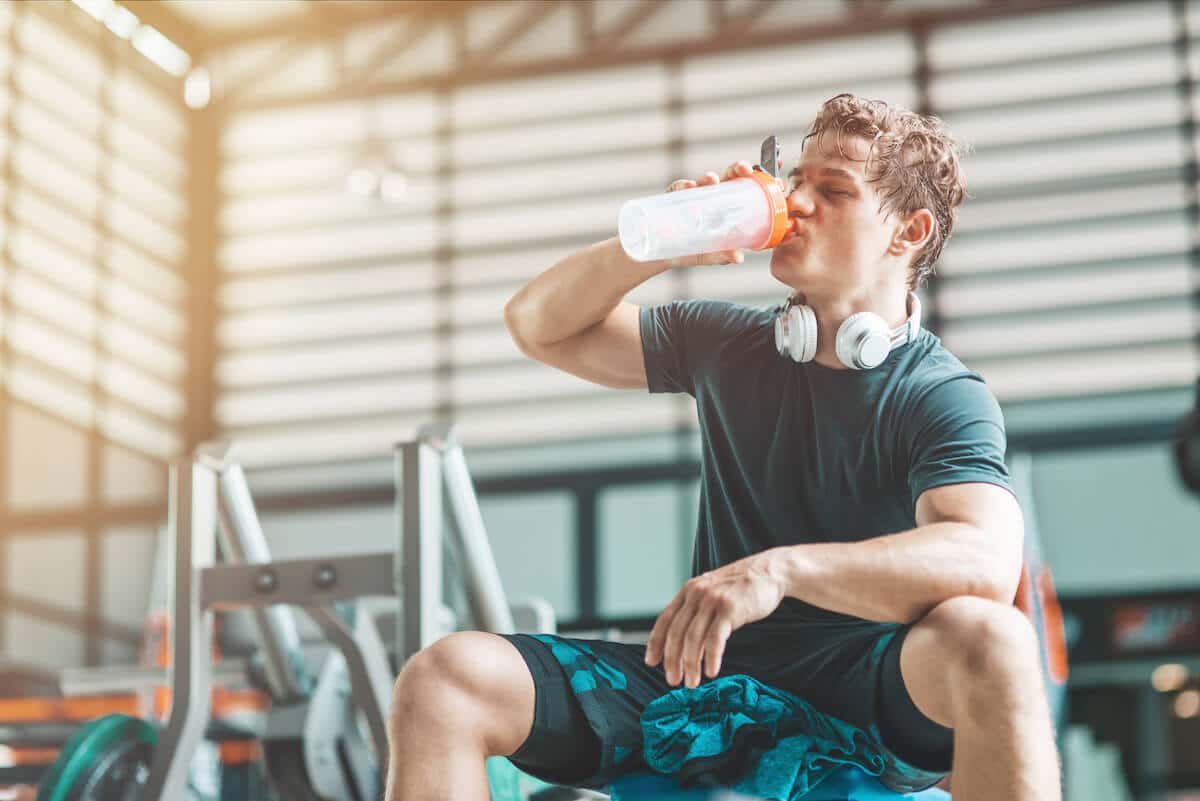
(574, 316)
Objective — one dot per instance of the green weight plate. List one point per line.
(104, 761)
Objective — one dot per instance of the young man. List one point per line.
(858, 544)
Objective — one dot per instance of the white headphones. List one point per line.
(863, 339)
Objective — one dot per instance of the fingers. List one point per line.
(694, 641)
(714, 646)
(658, 635)
(739, 169)
(673, 644)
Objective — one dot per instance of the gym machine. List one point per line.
(325, 735)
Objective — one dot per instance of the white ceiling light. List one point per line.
(121, 21)
(146, 39)
(97, 9)
(162, 51)
(197, 88)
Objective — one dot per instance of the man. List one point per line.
(858, 544)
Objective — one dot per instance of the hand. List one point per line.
(698, 621)
(739, 169)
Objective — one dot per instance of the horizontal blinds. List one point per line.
(345, 322)
(1069, 273)
(94, 230)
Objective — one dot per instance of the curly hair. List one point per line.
(913, 159)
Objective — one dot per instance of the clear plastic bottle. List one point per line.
(748, 213)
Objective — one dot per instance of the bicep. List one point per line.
(608, 353)
(987, 507)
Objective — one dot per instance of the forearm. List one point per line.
(899, 577)
(576, 293)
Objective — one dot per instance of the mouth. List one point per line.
(793, 231)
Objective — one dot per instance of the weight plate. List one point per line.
(104, 761)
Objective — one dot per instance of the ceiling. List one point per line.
(202, 25)
(219, 16)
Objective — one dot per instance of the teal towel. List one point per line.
(737, 732)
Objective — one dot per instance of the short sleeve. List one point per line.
(679, 338)
(956, 437)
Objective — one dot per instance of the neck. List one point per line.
(891, 304)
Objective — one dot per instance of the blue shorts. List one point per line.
(588, 733)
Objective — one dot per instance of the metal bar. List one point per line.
(370, 674)
(391, 49)
(243, 543)
(418, 573)
(587, 553)
(351, 16)
(200, 271)
(476, 564)
(68, 618)
(739, 22)
(628, 24)
(526, 20)
(191, 547)
(105, 681)
(300, 582)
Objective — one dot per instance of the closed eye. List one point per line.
(827, 190)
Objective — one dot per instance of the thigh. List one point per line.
(587, 717)
(852, 672)
(907, 731)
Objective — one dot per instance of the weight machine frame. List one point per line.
(209, 493)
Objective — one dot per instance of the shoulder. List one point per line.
(711, 312)
(936, 384)
(703, 320)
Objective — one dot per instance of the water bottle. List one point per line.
(749, 213)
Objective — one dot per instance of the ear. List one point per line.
(913, 233)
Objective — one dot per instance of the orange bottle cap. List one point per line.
(777, 202)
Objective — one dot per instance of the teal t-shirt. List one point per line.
(797, 453)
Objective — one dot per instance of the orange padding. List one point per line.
(1051, 624)
(226, 702)
(239, 752)
(28, 710)
(1056, 642)
(32, 756)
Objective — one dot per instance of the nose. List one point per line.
(799, 203)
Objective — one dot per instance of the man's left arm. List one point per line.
(968, 541)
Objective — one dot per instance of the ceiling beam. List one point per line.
(525, 20)
(611, 51)
(327, 25)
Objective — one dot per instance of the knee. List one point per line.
(435, 678)
(984, 641)
(467, 685)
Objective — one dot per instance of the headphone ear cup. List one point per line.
(863, 341)
(796, 333)
(808, 325)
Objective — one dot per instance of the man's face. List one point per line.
(842, 238)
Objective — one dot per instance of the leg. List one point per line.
(973, 665)
(467, 697)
